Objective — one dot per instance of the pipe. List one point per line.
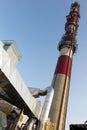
(31, 123)
(46, 107)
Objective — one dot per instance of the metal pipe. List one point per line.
(31, 124)
(46, 107)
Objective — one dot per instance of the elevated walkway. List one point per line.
(12, 87)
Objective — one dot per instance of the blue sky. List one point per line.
(37, 26)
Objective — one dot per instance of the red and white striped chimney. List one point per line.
(61, 78)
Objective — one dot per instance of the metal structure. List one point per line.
(78, 127)
(12, 87)
(17, 100)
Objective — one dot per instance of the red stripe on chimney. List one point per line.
(64, 65)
